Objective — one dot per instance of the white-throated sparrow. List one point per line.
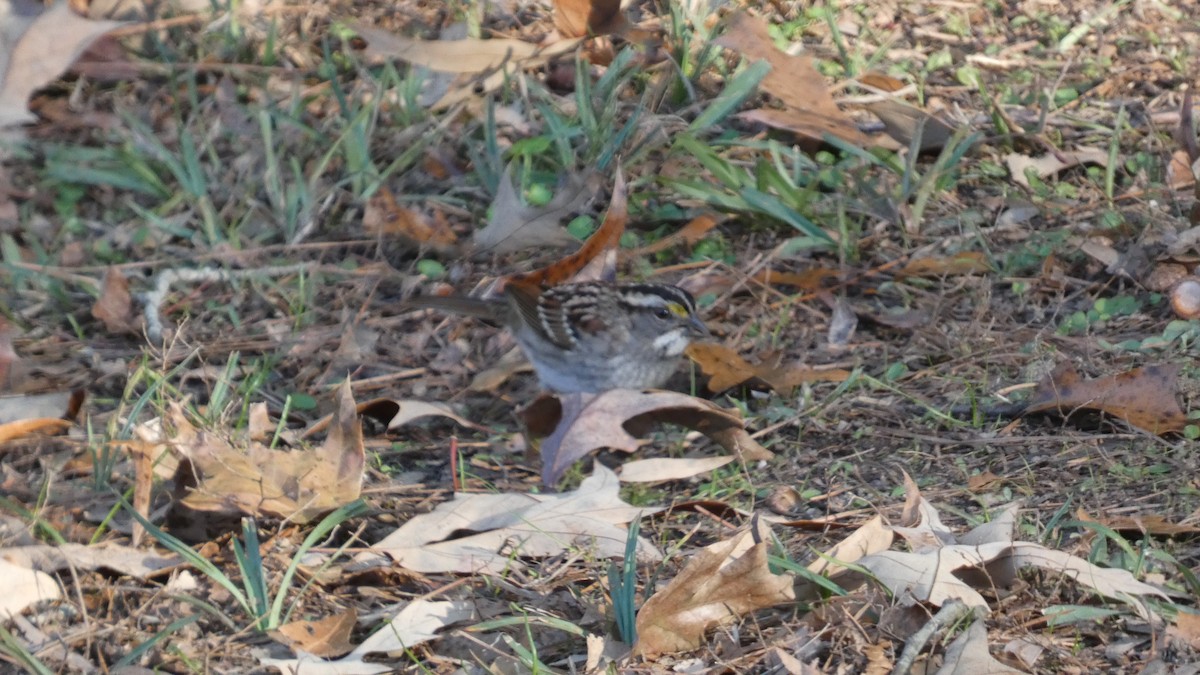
(591, 336)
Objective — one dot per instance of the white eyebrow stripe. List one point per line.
(645, 300)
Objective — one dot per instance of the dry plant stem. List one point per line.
(949, 614)
(162, 284)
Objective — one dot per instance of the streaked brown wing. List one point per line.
(542, 311)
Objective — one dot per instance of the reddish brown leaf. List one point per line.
(725, 369)
(326, 638)
(809, 107)
(967, 262)
(1143, 397)
(115, 305)
(384, 217)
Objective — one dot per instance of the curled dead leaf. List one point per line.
(573, 425)
(1146, 398)
(720, 584)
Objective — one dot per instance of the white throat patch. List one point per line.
(672, 343)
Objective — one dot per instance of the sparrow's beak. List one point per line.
(697, 328)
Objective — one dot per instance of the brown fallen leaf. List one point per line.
(384, 217)
(905, 122)
(300, 485)
(492, 533)
(726, 369)
(326, 638)
(585, 18)
(810, 110)
(115, 305)
(1146, 397)
(573, 425)
(719, 585)
(1145, 524)
(959, 264)
(689, 234)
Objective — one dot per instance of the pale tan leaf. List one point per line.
(719, 585)
(21, 587)
(36, 45)
(451, 56)
(661, 469)
(529, 525)
(1051, 163)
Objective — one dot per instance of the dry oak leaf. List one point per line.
(809, 107)
(1052, 162)
(326, 638)
(300, 485)
(576, 424)
(720, 584)
(489, 533)
(726, 369)
(1145, 397)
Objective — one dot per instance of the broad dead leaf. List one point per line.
(449, 56)
(905, 122)
(1144, 397)
(968, 655)
(489, 533)
(38, 43)
(328, 637)
(251, 478)
(38, 414)
(719, 585)
(517, 226)
(385, 217)
(810, 110)
(1051, 163)
(576, 424)
(726, 369)
(660, 469)
(21, 587)
(110, 556)
(417, 623)
(115, 305)
(585, 18)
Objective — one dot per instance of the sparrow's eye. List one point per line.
(662, 313)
